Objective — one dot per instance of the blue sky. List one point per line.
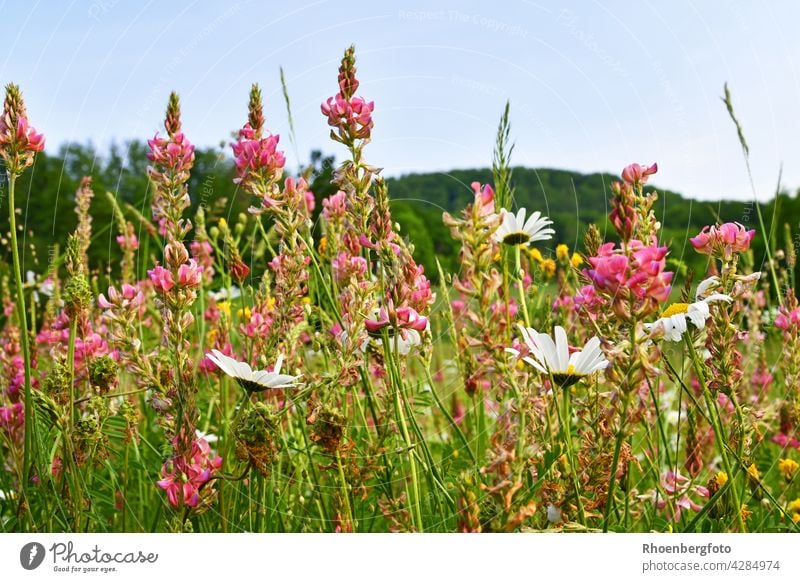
(592, 85)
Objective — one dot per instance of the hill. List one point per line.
(573, 200)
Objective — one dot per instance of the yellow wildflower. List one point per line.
(576, 260)
(794, 506)
(562, 252)
(746, 513)
(536, 254)
(211, 336)
(224, 307)
(323, 245)
(549, 267)
(788, 467)
(721, 478)
(752, 472)
(244, 313)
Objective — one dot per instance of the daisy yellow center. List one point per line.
(675, 309)
(570, 369)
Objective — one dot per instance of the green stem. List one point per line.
(28, 452)
(612, 480)
(719, 435)
(73, 332)
(518, 274)
(401, 418)
(565, 422)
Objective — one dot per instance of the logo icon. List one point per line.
(31, 555)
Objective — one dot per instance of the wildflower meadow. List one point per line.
(294, 368)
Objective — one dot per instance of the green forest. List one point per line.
(571, 199)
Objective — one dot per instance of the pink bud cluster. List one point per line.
(259, 162)
(637, 271)
(184, 478)
(18, 140)
(172, 156)
(352, 117)
(723, 241)
(24, 138)
(787, 318)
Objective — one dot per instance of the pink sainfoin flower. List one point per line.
(787, 318)
(723, 241)
(257, 158)
(190, 274)
(640, 273)
(203, 253)
(352, 117)
(346, 266)
(18, 140)
(128, 241)
(484, 199)
(184, 478)
(335, 206)
(174, 153)
(679, 490)
(12, 421)
(161, 278)
(634, 174)
(402, 318)
(128, 296)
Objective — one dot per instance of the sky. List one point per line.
(593, 86)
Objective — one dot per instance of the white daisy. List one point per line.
(515, 230)
(249, 379)
(553, 357)
(673, 322)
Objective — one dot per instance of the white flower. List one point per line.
(7, 495)
(405, 341)
(705, 285)
(553, 357)
(249, 379)
(46, 287)
(515, 230)
(554, 514)
(210, 438)
(222, 294)
(673, 322)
